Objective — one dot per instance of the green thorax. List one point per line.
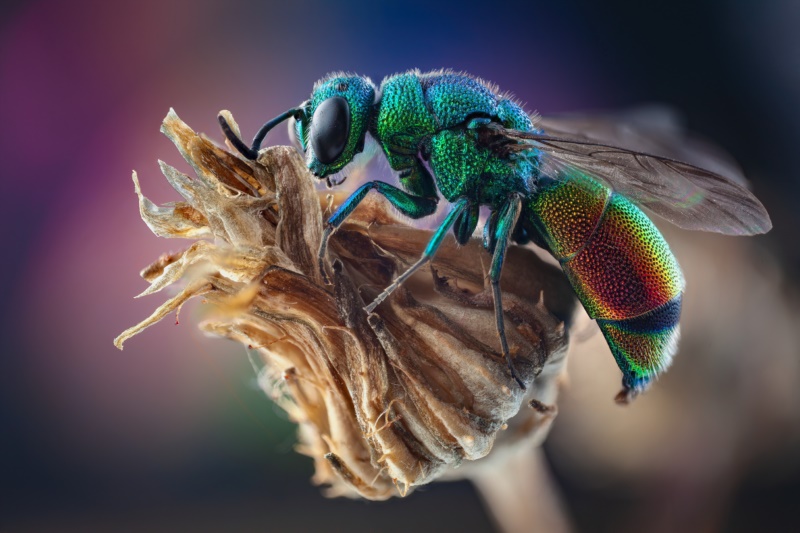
(429, 113)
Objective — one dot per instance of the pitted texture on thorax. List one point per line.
(453, 98)
(434, 109)
(464, 168)
(415, 105)
(403, 119)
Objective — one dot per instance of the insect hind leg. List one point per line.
(502, 235)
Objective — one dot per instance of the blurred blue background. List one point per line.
(172, 433)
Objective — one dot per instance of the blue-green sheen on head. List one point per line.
(342, 105)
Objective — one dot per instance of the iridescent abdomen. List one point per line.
(620, 267)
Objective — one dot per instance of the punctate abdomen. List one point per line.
(620, 267)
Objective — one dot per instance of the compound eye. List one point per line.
(330, 127)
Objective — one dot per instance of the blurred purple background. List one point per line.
(172, 433)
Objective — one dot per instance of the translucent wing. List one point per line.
(682, 180)
(651, 129)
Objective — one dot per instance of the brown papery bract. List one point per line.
(387, 401)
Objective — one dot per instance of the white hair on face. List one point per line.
(359, 161)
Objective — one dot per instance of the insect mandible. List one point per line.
(563, 184)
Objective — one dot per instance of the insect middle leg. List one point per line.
(408, 204)
(458, 208)
(502, 235)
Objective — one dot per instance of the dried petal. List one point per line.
(384, 402)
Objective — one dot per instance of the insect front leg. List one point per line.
(410, 205)
(502, 235)
(458, 209)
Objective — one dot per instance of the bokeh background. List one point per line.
(172, 433)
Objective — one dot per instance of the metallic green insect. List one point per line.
(560, 183)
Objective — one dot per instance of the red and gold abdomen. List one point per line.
(620, 267)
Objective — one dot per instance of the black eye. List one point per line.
(330, 127)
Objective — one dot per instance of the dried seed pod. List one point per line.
(386, 401)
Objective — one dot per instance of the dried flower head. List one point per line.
(386, 401)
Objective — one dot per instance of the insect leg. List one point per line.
(505, 227)
(430, 251)
(489, 228)
(410, 205)
(466, 224)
